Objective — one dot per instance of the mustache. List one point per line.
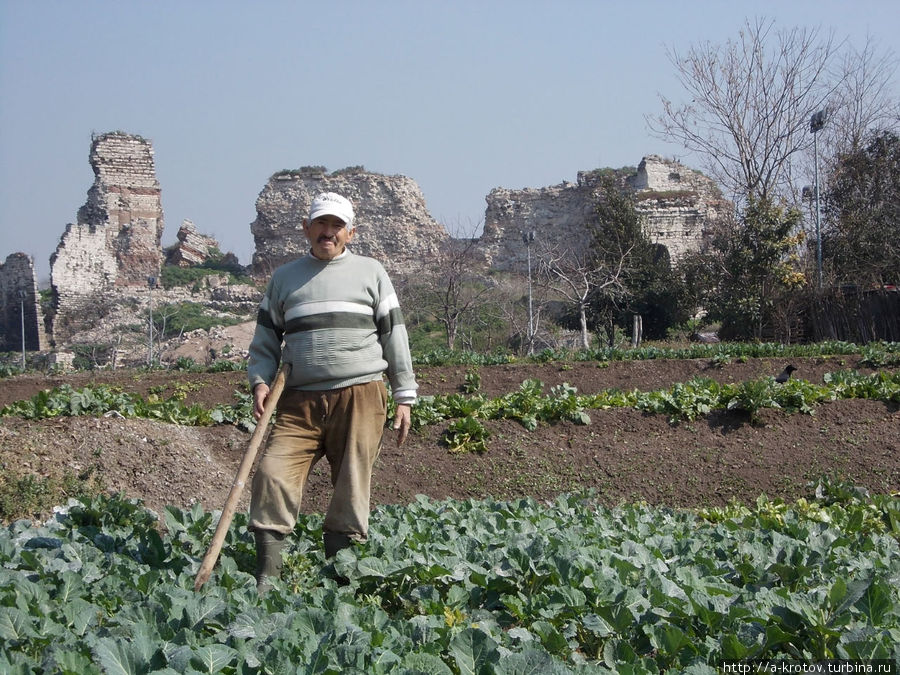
(325, 237)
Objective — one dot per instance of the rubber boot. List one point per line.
(268, 558)
(334, 542)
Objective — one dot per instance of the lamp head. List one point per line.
(817, 120)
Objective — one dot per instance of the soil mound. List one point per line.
(624, 455)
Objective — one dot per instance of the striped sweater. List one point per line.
(341, 325)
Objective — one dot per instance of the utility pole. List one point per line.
(151, 282)
(816, 124)
(528, 239)
(21, 293)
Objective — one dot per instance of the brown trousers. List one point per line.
(343, 425)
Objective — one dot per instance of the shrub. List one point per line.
(89, 356)
(349, 170)
(316, 170)
(172, 276)
(171, 319)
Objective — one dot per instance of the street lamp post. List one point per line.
(22, 295)
(528, 240)
(816, 124)
(151, 282)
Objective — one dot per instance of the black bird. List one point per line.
(785, 374)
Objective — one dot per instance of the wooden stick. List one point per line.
(215, 546)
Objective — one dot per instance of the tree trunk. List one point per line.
(585, 337)
(610, 330)
(637, 331)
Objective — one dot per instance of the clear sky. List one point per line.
(462, 96)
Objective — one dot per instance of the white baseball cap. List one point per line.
(332, 204)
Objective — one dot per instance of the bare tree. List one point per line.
(160, 331)
(750, 102)
(579, 276)
(865, 100)
(452, 286)
(509, 302)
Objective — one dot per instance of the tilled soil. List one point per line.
(624, 455)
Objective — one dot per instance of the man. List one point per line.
(341, 324)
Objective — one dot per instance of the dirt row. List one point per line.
(624, 455)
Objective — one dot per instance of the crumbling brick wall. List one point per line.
(20, 299)
(117, 239)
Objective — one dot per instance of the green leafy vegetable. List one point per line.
(567, 586)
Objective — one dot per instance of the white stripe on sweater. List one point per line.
(386, 305)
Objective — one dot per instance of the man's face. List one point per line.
(328, 235)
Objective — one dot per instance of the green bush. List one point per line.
(188, 316)
(314, 170)
(173, 276)
(349, 170)
(8, 370)
(90, 355)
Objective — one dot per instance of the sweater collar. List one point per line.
(344, 254)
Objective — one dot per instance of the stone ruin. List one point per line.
(393, 224)
(20, 301)
(114, 246)
(115, 242)
(192, 248)
(105, 272)
(678, 204)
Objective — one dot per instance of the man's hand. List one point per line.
(402, 422)
(260, 394)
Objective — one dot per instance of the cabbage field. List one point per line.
(459, 586)
(549, 542)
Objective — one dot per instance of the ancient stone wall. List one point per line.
(392, 222)
(17, 276)
(116, 241)
(678, 205)
(192, 248)
(556, 214)
(115, 245)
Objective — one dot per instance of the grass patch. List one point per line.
(28, 495)
(183, 317)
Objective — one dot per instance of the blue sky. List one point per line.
(461, 96)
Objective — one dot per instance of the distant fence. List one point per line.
(854, 315)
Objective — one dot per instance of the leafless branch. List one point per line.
(577, 275)
(749, 103)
